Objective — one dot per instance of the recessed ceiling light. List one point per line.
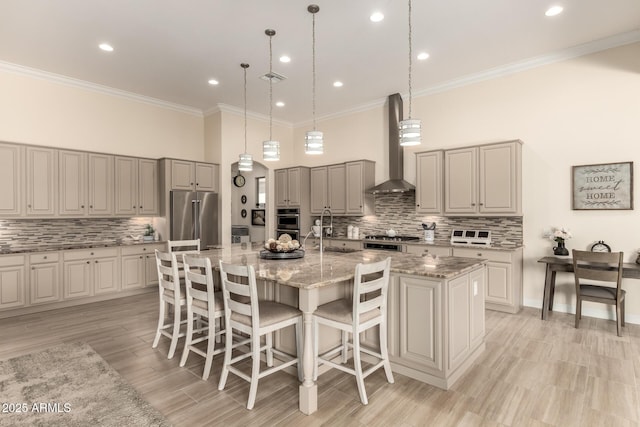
(337, 84)
(285, 59)
(279, 104)
(106, 47)
(423, 55)
(376, 17)
(554, 10)
(213, 82)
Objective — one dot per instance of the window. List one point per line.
(261, 192)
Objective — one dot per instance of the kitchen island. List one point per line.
(436, 307)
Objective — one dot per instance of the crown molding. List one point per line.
(226, 108)
(94, 87)
(357, 109)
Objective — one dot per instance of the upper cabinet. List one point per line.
(360, 176)
(319, 192)
(136, 186)
(101, 185)
(207, 177)
(484, 180)
(292, 187)
(148, 187)
(342, 187)
(11, 160)
(193, 176)
(42, 171)
(72, 184)
(429, 182)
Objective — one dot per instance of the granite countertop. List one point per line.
(500, 246)
(74, 245)
(315, 270)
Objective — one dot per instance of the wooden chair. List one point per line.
(255, 318)
(602, 267)
(201, 301)
(367, 309)
(170, 294)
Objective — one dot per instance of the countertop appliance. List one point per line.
(386, 243)
(471, 237)
(194, 215)
(240, 234)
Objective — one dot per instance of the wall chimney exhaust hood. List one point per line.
(396, 182)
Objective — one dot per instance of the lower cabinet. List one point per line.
(428, 250)
(90, 272)
(139, 266)
(13, 292)
(44, 278)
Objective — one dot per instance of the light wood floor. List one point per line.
(532, 373)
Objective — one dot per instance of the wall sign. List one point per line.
(604, 186)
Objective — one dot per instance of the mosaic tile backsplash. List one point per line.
(18, 234)
(397, 212)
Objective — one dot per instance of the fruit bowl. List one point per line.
(284, 244)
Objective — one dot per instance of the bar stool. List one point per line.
(255, 318)
(367, 309)
(201, 301)
(170, 294)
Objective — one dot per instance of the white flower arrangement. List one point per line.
(560, 234)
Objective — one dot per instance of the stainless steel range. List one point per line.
(386, 243)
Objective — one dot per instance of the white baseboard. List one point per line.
(606, 312)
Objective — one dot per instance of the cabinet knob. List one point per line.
(140, 256)
(90, 206)
(191, 183)
(144, 249)
(96, 261)
(134, 206)
(45, 257)
(481, 204)
(82, 206)
(479, 253)
(418, 205)
(88, 262)
(197, 183)
(473, 204)
(140, 207)
(91, 253)
(33, 268)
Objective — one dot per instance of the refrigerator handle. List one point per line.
(194, 212)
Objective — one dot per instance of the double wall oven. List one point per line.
(288, 221)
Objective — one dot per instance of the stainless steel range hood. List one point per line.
(396, 183)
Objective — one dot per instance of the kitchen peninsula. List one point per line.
(436, 307)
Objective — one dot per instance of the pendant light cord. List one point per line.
(313, 67)
(245, 107)
(270, 88)
(410, 59)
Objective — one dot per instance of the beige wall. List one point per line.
(42, 112)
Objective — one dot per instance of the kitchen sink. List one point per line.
(340, 249)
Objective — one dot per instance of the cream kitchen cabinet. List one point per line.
(90, 272)
(13, 288)
(101, 185)
(11, 170)
(428, 250)
(44, 278)
(292, 187)
(484, 180)
(192, 176)
(503, 290)
(429, 182)
(136, 186)
(42, 174)
(139, 266)
(360, 176)
(72, 185)
(319, 189)
(328, 189)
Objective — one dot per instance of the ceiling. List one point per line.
(168, 49)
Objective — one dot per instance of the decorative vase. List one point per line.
(560, 249)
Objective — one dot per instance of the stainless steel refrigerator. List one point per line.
(194, 215)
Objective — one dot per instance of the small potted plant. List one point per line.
(148, 233)
(559, 235)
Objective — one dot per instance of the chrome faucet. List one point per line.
(322, 225)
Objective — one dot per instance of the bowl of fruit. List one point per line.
(282, 248)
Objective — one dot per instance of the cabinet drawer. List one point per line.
(143, 249)
(7, 261)
(44, 257)
(428, 250)
(498, 256)
(90, 253)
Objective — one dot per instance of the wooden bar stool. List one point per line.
(367, 309)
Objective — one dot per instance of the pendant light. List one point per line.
(313, 140)
(270, 148)
(245, 163)
(410, 129)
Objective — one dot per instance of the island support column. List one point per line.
(308, 391)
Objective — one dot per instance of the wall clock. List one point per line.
(600, 247)
(238, 181)
(243, 199)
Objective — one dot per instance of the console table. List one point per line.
(555, 264)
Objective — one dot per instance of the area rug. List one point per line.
(70, 385)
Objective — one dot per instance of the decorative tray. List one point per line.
(265, 254)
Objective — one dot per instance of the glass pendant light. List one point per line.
(270, 148)
(245, 163)
(313, 140)
(410, 129)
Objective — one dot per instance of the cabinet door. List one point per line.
(499, 283)
(151, 270)
(420, 323)
(126, 187)
(206, 177)
(133, 271)
(41, 181)
(148, 187)
(459, 320)
(461, 180)
(105, 275)
(45, 283)
(77, 280)
(337, 189)
(477, 281)
(100, 185)
(12, 287)
(72, 173)
(318, 189)
(182, 175)
(11, 158)
(355, 188)
(281, 188)
(499, 178)
(293, 187)
(429, 182)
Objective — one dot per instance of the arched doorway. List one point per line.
(248, 204)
